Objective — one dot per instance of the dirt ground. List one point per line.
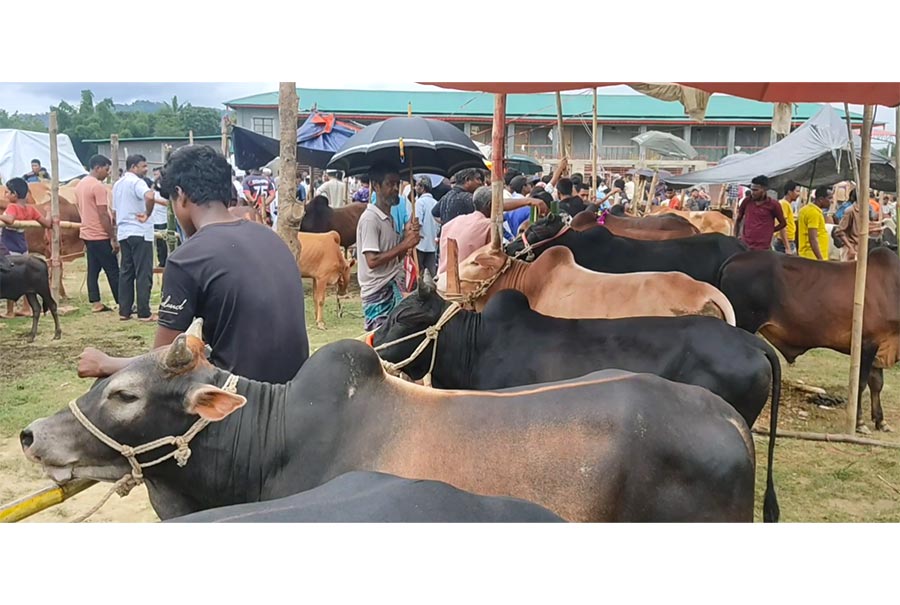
(816, 482)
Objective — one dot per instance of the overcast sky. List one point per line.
(37, 97)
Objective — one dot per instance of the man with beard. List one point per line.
(760, 216)
(380, 248)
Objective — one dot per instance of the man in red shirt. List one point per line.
(760, 216)
(14, 239)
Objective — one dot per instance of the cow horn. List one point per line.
(426, 286)
(429, 280)
(196, 329)
(179, 355)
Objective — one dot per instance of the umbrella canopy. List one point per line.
(665, 144)
(429, 146)
(522, 163)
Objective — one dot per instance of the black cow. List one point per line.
(598, 448)
(361, 497)
(509, 344)
(700, 256)
(28, 276)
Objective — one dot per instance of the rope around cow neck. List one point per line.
(431, 334)
(528, 248)
(129, 481)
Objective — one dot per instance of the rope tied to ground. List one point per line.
(181, 454)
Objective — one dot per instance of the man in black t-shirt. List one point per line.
(238, 276)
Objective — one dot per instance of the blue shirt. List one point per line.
(513, 219)
(427, 224)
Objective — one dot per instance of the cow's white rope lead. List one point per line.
(129, 481)
(431, 334)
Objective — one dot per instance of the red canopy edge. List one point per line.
(857, 93)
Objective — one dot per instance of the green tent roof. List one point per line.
(722, 108)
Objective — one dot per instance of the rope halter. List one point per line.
(431, 334)
(181, 453)
(482, 287)
(527, 250)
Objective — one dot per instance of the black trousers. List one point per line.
(427, 260)
(136, 275)
(100, 255)
(162, 250)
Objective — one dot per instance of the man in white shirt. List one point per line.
(334, 189)
(133, 202)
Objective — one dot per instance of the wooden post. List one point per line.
(55, 262)
(225, 137)
(897, 170)
(114, 157)
(290, 212)
(498, 141)
(859, 293)
(453, 285)
(650, 197)
(190, 137)
(559, 126)
(593, 151)
(412, 194)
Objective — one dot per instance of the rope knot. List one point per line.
(431, 332)
(127, 451)
(183, 451)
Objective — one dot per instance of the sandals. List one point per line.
(149, 320)
(100, 309)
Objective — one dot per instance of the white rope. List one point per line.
(129, 481)
(482, 287)
(431, 334)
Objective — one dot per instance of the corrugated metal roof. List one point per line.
(538, 106)
(205, 137)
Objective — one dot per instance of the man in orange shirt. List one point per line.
(674, 201)
(98, 232)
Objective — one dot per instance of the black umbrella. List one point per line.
(429, 146)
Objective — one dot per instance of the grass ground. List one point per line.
(816, 482)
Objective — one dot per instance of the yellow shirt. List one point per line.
(791, 229)
(811, 217)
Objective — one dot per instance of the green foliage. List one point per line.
(19, 122)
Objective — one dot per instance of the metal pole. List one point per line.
(594, 152)
(55, 263)
(498, 140)
(859, 293)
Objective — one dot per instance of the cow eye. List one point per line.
(124, 396)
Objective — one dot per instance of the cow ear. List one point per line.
(212, 403)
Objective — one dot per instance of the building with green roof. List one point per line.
(732, 124)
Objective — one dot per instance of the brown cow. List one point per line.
(709, 221)
(556, 286)
(322, 218)
(322, 260)
(800, 304)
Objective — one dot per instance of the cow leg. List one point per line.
(35, 314)
(876, 384)
(319, 286)
(340, 307)
(51, 305)
(867, 359)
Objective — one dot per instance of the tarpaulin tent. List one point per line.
(19, 147)
(318, 138)
(817, 153)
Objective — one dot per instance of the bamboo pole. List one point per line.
(412, 194)
(559, 126)
(859, 293)
(290, 212)
(42, 500)
(225, 137)
(114, 156)
(190, 137)
(897, 172)
(55, 262)
(37, 225)
(829, 437)
(453, 285)
(653, 183)
(594, 176)
(498, 140)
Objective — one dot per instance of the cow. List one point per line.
(365, 497)
(707, 221)
(610, 446)
(28, 276)
(509, 344)
(321, 259)
(557, 286)
(599, 250)
(322, 218)
(635, 228)
(800, 304)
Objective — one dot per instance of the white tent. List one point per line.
(19, 147)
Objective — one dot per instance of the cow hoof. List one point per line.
(884, 427)
(863, 430)
(57, 336)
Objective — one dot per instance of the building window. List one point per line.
(264, 126)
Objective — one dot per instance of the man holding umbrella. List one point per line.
(380, 247)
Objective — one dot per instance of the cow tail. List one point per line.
(771, 512)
